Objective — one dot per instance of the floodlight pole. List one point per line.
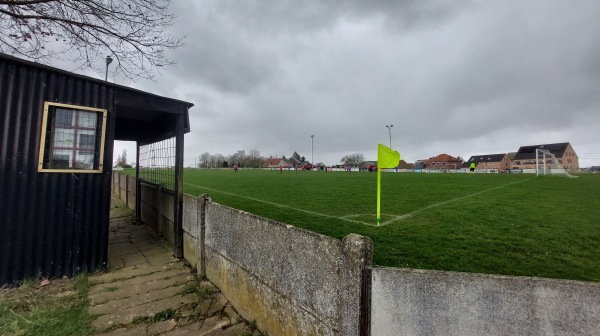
(108, 61)
(312, 151)
(389, 127)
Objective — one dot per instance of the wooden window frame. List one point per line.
(47, 106)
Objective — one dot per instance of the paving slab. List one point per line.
(150, 251)
(138, 330)
(113, 306)
(159, 259)
(201, 328)
(122, 249)
(133, 286)
(126, 316)
(134, 271)
(115, 264)
(235, 330)
(133, 259)
(161, 328)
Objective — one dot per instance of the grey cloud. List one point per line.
(289, 16)
(456, 77)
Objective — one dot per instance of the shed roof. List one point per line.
(140, 116)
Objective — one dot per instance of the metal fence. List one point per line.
(157, 163)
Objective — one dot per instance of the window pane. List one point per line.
(64, 118)
(87, 119)
(60, 161)
(86, 140)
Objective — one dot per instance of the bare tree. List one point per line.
(122, 159)
(353, 159)
(84, 32)
(216, 160)
(204, 160)
(238, 158)
(254, 159)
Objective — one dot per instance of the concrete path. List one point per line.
(147, 292)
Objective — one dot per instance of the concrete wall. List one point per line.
(123, 187)
(291, 281)
(417, 302)
(131, 192)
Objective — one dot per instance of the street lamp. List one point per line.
(312, 151)
(389, 127)
(108, 61)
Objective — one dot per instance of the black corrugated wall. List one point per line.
(51, 224)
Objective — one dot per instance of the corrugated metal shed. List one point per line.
(54, 224)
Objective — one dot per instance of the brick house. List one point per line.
(405, 165)
(442, 161)
(564, 152)
(276, 163)
(489, 161)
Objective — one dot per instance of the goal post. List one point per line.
(547, 163)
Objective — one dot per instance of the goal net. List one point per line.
(546, 163)
(444, 168)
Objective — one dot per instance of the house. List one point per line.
(294, 162)
(372, 165)
(442, 161)
(276, 163)
(489, 161)
(564, 153)
(58, 130)
(405, 165)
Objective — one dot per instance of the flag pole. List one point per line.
(378, 196)
(386, 158)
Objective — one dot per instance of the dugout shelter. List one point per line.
(57, 131)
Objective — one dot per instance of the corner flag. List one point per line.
(386, 158)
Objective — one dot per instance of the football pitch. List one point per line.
(513, 224)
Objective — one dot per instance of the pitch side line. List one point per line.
(280, 205)
(410, 214)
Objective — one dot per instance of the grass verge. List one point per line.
(59, 307)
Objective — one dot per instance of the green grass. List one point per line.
(60, 308)
(164, 315)
(515, 224)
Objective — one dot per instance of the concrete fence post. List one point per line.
(127, 190)
(203, 199)
(112, 183)
(357, 256)
(159, 213)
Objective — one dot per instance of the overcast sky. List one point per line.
(455, 77)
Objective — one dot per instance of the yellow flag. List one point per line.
(387, 157)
